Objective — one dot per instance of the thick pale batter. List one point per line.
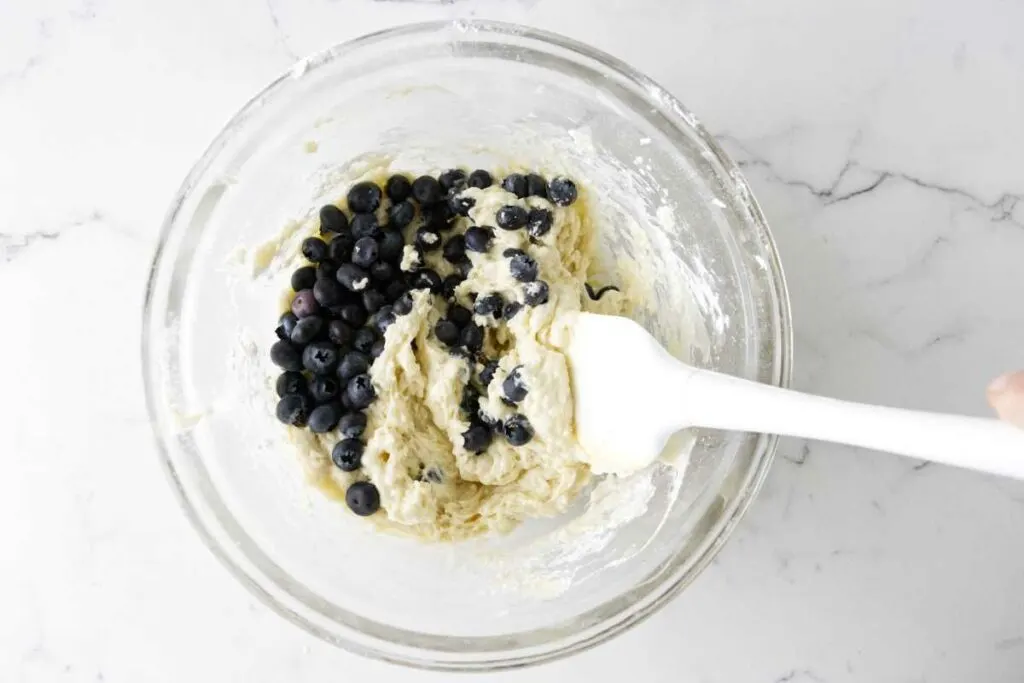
(430, 486)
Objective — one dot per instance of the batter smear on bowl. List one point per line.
(422, 376)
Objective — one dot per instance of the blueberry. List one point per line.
(326, 269)
(325, 417)
(469, 404)
(339, 332)
(426, 190)
(398, 188)
(396, 289)
(352, 277)
(511, 217)
(352, 425)
(487, 374)
(383, 272)
(425, 278)
(364, 197)
(460, 205)
(459, 315)
(363, 339)
(324, 388)
(314, 249)
(477, 438)
(403, 304)
(451, 283)
(391, 246)
(427, 239)
(562, 191)
(511, 308)
(360, 391)
(364, 252)
(304, 304)
(328, 293)
(472, 337)
(353, 363)
(340, 248)
(363, 498)
(491, 304)
(463, 267)
(373, 300)
(516, 184)
(303, 278)
(536, 186)
(436, 217)
(522, 266)
(293, 409)
(383, 320)
(365, 225)
(306, 330)
(401, 214)
(378, 348)
(353, 314)
(538, 222)
(536, 293)
(479, 239)
(332, 219)
(348, 454)
(453, 177)
(514, 387)
(517, 430)
(446, 332)
(454, 249)
(290, 382)
(285, 324)
(480, 179)
(320, 357)
(286, 356)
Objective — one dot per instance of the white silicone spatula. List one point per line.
(631, 396)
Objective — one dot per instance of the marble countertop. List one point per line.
(883, 138)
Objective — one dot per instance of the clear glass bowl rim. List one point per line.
(448, 659)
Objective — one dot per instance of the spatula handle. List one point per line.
(986, 445)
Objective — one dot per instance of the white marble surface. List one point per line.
(883, 138)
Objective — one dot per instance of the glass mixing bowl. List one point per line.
(674, 215)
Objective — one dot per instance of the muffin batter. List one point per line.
(431, 485)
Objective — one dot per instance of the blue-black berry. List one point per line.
(401, 214)
(352, 425)
(391, 246)
(398, 188)
(290, 382)
(285, 324)
(479, 239)
(383, 272)
(365, 225)
(353, 314)
(347, 454)
(480, 179)
(514, 387)
(426, 190)
(324, 388)
(378, 348)
(522, 266)
(353, 277)
(353, 363)
(304, 304)
(364, 197)
(303, 278)
(383, 320)
(363, 498)
(325, 417)
(427, 239)
(460, 204)
(332, 219)
(286, 355)
(306, 330)
(360, 392)
(454, 249)
(425, 278)
(516, 184)
(450, 283)
(562, 191)
(403, 304)
(517, 430)
(487, 374)
(314, 249)
(339, 332)
(538, 222)
(293, 409)
(536, 186)
(536, 293)
(511, 217)
(364, 252)
(472, 337)
(459, 315)
(328, 293)
(477, 438)
(320, 357)
(363, 339)
(446, 332)
(511, 309)
(340, 249)
(452, 178)
(373, 300)
(490, 304)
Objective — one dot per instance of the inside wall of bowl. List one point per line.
(663, 228)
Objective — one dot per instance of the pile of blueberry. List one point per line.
(355, 287)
